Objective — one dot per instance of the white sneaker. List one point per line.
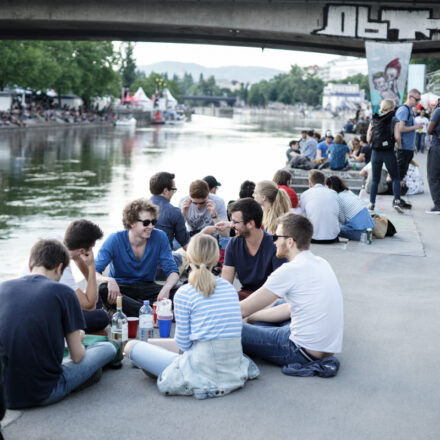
(433, 210)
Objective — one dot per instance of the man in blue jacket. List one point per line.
(134, 255)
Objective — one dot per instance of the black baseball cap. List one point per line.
(212, 182)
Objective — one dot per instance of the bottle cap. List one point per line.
(146, 302)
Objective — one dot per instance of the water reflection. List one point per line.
(50, 176)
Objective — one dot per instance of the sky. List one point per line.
(216, 56)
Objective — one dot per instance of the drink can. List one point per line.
(369, 235)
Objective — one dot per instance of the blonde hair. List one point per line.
(386, 106)
(279, 204)
(203, 252)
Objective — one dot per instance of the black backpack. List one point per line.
(2, 384)
(382, 137)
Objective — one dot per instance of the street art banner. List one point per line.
(387, 71)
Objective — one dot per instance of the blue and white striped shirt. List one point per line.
(206, 318)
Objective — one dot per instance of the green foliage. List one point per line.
(128, 67)
(360, 79)
(432, 64)
(82, 67)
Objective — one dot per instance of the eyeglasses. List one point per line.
(275, 237)
(173, 189)
(236, 223)
(416, 99)
(148, 222)
(200, 203)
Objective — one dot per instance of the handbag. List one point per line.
(382, 226)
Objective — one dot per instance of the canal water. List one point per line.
(50, 176)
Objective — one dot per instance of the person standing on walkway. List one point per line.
(407, 128)
(383, 134)
(433, 164)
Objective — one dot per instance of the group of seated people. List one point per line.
(312, 151)
(287, 309)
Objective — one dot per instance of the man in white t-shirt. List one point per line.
(313, 302)
(321, 206)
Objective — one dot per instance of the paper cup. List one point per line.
(164, 326)
(132, 327)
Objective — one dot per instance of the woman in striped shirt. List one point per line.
(208, 332)
(353, 215)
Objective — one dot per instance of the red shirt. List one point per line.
(292, 195)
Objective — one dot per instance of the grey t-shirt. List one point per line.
(197, 220)
(435, 141)
(309, 149)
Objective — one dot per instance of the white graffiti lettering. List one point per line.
(392, 24)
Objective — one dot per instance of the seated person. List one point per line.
(293, 150)
(321, 206)
(309, 149)
(349, 126)
(365, 149)
(283, 179)
(171, 221)
(313, 302)
(35, 374)
(338, 154)
(134, 255)
(208, 331)
(354, 217)
(251, 253)
(80, 238)
(201, 209)
(356, 157)
(385, 183)
(322, 148)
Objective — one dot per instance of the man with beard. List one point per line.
(251, 253)
(313, 302)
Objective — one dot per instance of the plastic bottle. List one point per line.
(363, 193)
(146, 322)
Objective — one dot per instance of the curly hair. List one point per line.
(130, 214)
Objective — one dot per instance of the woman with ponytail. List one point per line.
(274, 201)
(208, 332)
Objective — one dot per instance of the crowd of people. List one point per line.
(48, 112)
(274, 299)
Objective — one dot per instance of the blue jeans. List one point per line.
(420, 141)
(97, 356)
(271, 344)
(377, 159)
(151, 358)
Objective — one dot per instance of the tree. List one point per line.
(128, 68)
(432, 64)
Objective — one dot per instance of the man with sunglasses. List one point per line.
(407, 127)
(134, 255)
(313, 302)
(251, 253)
(201, 209)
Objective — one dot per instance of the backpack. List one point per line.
(382, 137)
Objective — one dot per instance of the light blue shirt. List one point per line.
(126, 268)
(206, 318)
(404, 113)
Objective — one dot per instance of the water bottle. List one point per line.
(146, 322)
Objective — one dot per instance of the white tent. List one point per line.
(170, 100)
(429, 99)
(144, 100)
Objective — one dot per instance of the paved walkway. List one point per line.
(387, 387)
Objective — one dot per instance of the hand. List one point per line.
(164, 293)
(113, 291)
(419, 125)
(221, 226)
(88, 259)
(209, 230)
(211, 208)
(185, 206)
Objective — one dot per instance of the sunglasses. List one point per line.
(172, 189)
(275, 237)
(148, 222)
(200, 203)
(416, 99)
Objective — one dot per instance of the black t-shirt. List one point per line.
(366, 150)
(35, 315)
(252, 271)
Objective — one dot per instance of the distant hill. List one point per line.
(250, 74)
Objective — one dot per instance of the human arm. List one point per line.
(257, 301)
(74, 345)
(171, 281)
(89, 298)
(228, 273)
(218, 215)
(180, 231)
(369, 133)
(434, 121)
(404, 129)
(272, 314)
(397, 136)
(182, 311)
(184, 206)
(168, 265)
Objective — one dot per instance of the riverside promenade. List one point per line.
(387, 387)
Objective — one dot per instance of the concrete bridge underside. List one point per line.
(284, 24)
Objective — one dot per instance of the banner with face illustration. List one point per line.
(387, 71)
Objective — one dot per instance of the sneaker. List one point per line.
(371, 207)
(434, 210)
(405, 205)
(397, 206)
